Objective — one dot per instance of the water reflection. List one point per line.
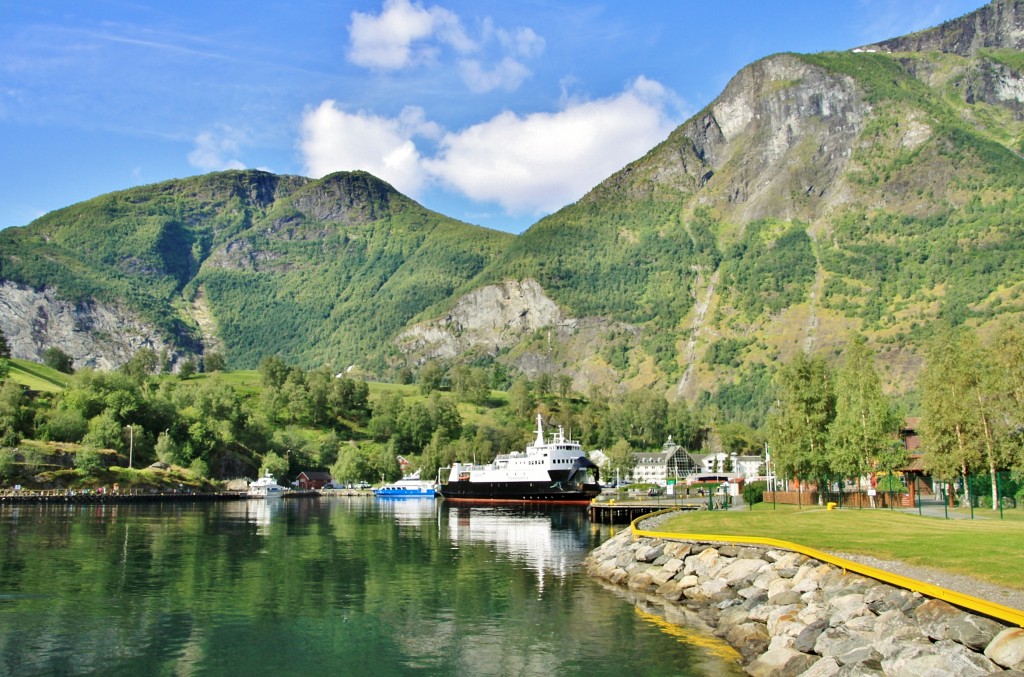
(544, 540)
(350, 585)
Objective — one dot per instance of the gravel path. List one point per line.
(967, 585)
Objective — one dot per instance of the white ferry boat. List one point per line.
(552, 471)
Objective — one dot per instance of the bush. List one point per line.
(88, 461)
(753, 492)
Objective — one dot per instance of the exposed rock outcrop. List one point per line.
(93, 334)
(491, 318)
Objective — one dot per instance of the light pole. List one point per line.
(131, 443)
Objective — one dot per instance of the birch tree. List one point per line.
(864, 432)
(798, 425)
(958, 409)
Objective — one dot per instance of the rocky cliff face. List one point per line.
(487, 320)
(998, 25)
(93, 334)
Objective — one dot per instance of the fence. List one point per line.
(914, 491)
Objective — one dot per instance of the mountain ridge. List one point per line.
(873, 190)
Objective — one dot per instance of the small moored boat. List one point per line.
(410, 486)
(266, 487)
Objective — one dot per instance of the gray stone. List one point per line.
(785, 620)
(781, 662)
(973, 631)
(786, 598)
(741, 570)
(948, 658)
(847, 646)
(934, 617)
(750, 639)
(1007, 649)
(809, 635)
(824, 667)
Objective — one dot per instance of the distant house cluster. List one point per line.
(675, 463)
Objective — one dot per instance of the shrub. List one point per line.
(753, 492)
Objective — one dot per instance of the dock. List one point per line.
(624, 512)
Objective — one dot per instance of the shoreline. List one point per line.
(787, 613)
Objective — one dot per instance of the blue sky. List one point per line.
(492, 112)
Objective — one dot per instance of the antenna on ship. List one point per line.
(540, 431)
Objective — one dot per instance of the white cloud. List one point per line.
(407, 34)
(213, 150)
(333, 140)
(540, 162)
(507, 74)
(532, 164)
(404, 34)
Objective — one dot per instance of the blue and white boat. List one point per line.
(410, 486)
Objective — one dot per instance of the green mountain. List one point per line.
(874, 190)
(317, 272)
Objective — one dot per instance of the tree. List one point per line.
(276, 465)
(865, 426)
(5, 355)
(167, 451)
(798, 425)
(957, 408)
(88, 461)
(143, 363)
(55, 358)
(13, 413)
(214, 361)
(187, 369)
(351, 465)
(431, 377)
(620, 457)
(520, 397)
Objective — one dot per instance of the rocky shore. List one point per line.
(788, 614)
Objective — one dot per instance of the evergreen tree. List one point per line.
(864, 431)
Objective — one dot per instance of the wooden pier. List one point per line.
(624, 512)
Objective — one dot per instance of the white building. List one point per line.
(672, 462)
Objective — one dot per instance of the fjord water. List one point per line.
(349, 586)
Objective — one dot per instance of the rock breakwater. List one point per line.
(789, 614)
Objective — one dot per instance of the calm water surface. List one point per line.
(316, 586)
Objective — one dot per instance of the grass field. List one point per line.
(986, 548)
(36, 376)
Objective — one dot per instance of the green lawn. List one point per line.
(36, 376)
(987, 548)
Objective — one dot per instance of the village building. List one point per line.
(313, 480)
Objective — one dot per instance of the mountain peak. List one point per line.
(998, 25)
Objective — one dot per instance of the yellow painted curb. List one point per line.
(981, 606)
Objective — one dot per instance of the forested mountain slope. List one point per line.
(871, 190)
(245, 262)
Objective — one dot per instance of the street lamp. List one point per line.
(131, 443)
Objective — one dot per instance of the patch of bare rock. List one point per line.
(788, 614)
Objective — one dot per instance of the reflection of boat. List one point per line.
(549, 540)
(266, 487)
(554, 471)
(410, 486)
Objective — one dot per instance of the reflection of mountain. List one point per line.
(549, 541)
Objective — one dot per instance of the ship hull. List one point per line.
(518, 492)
